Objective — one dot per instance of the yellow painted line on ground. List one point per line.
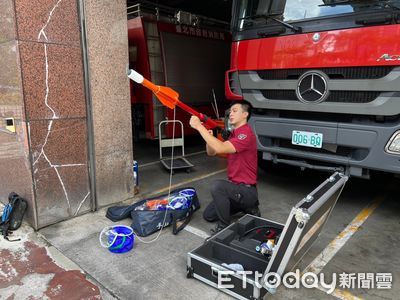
(166, 189)
(340, 294)
(334, 246)
(329, 252)
(344, 295)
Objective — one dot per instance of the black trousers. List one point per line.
(229, 198)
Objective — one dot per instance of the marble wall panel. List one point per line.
(60, 169)
(53, 21)
(114, 177)
(53, 81)
(112, 131)
(7, 21)
(10, 74)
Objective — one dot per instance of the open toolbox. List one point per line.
(262, 246)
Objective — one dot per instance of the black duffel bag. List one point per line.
(146, 222)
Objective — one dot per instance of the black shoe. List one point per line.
(217, 228)
(255, 211)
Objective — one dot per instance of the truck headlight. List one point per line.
(393, 146)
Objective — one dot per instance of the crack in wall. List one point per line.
(41, 34)
(79, 207)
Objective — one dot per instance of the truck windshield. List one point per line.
(250, 12)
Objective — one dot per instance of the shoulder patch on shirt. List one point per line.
(242, 136)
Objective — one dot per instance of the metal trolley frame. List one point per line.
(180, 162)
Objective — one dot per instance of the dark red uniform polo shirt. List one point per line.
(242, 165)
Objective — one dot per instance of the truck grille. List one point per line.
(334, 96)
(333, 73)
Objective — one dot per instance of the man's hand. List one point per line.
(195, 122)
(214, 145)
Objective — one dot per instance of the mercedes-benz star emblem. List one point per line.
(312, 87)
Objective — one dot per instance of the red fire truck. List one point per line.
(185, 52)
(323, 78)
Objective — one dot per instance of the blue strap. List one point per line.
(6, 213)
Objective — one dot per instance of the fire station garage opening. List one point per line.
(184, 45)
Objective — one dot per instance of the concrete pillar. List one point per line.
(42, 88)
(107, 43)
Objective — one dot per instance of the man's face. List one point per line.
(237, 116)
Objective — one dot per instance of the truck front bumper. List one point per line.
(354, 146)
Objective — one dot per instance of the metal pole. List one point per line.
(89, 113)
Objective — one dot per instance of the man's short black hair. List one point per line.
(246, 106)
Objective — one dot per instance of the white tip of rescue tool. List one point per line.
(135, 76)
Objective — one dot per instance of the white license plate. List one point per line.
(308, 139)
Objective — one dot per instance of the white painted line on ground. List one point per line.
(189, 228)
(158, 161)
(198, 232)
(334, 246)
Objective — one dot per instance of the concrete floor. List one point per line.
(158, 270)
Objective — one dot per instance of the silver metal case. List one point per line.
(303, 226)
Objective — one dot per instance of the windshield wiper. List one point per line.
(296, 29)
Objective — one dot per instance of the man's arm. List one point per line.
(216, 146)
(210, 151)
